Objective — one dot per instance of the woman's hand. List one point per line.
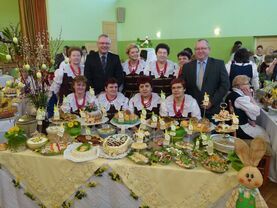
(252, 123)
(247, 91)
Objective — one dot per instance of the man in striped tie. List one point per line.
(206, 74)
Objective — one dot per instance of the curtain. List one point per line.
(33, 18)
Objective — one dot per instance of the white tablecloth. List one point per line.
(106, 194)
(4, 78)
(268, 122)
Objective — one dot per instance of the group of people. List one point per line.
(135, 85)
(263, 64)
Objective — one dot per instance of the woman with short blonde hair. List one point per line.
(133, 68)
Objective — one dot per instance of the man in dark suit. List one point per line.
(102, 65)
(208, 75)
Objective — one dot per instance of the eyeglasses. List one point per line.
(104, 43)
(201, 49)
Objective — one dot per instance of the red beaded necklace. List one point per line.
(178, 113)
(161, 72)
(73, 71)
(77, 103)
(133, 69)
(110, 100)
(146, 104)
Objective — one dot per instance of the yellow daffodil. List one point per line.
(76, 123)
(14, 129)
(70, 124)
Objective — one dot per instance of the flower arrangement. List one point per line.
(144, 43)
(73, 128)
(16, 139)
(34, 58)
(91, 107)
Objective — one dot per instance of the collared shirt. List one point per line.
(198, 67)
(244, 103)
(100, 56)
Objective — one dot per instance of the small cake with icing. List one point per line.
(116, 144)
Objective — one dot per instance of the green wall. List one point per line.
(79, 20)
(9, 13)
(178, 19)
(220, 47)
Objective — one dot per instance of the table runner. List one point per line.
(53, 180)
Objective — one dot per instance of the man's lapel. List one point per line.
(194, 73)
(207, 71)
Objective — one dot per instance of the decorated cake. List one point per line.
(36, 142)
(93, 117)
(116, 144)
(91, 114)
(125, 117)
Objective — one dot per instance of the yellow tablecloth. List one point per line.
(54, 179)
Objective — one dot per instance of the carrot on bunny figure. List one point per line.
(247, 195)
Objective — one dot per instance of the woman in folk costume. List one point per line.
(80, 98)
(111, 100)
(64, 76)
(63, 79)
(179, 104)
(183, 58)
(145, 99)
(162, 70)
(245, 108)
(133, 68)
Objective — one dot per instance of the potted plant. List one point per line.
(73, 128)
(16, 139)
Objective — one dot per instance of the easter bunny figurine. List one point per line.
(250, 178)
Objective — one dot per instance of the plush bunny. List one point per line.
(247, 195)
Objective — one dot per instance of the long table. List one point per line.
(269, 123)
(54, 180)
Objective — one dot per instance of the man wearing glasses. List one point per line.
(102, 65)
(206, 74)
